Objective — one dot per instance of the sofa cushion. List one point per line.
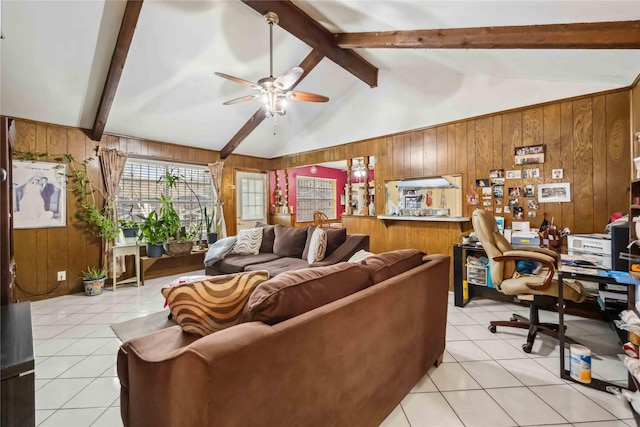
(290, 241)
(359, 256)
(248, 242)
(295, 292)
(335, 238)
(317, 246)
(268, 238)
(389, 264)
(210, 305)
(279, 265)
(237, 263)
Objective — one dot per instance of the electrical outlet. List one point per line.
(62, 275)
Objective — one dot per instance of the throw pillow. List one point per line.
(249, 241)
(268, 237)
(289, 241)
(359, 256)
(219, 250)
(335, 238)
(318, 246)
(292, 293)
(210, 305)
(389, 264)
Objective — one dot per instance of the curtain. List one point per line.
(112, 162)
(216, 181)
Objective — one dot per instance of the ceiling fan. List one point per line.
(274, 92)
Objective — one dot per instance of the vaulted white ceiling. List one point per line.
(56, 54)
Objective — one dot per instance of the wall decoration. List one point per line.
(532, 204)
(39, 194)
(486, 197)
(518, 212)
(507, 209)
(557, 173)
(553, 193)
(486, 191)
(532, 173)
(498, 202)
(498, 210)
(529, 190)
(489, 208)
(486, 203)
(513, 202)
(529, 155)
(532, 214)
(498, 191)
(514, 174)
(482, 182)
(515, 192)
(496, 176)
(472, 197)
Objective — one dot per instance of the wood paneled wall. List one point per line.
(585, 136)
(635, 122)
(41, 253)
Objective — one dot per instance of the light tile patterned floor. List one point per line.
(486, 379)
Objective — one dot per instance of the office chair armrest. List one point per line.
(527, 255)
(545, 251)
(545, 260)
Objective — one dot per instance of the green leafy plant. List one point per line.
(171, 180)
(128, 223)
(210, 221)
(152, 228)
(169, 217)
(94, 273)
(80, 181)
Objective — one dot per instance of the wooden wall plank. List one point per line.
(618, 152)
(553, 155)
(442, 147)
(583, 165)
(566, 217)
(600, 217)
(430, 152)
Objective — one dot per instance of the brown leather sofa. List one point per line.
(346, 363)
(286, 248)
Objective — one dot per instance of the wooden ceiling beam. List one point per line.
(125, 36)
(307, 64)
(593, 35)
(305, 28)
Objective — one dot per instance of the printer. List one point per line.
(523, 235)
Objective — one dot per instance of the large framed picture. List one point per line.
(553, 193)
(39, 194)
(529, 155)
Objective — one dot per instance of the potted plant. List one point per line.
(94, 279)
(212, 227)
(153, 231)
(129, 229)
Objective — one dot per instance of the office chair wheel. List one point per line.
(170, 316)
(514, 319)
(492, 329)
(527, 347)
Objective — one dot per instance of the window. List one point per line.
(315, 194)
(141, 186)
(253, 199)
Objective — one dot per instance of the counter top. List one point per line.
(425, 218)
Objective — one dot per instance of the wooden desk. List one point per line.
(123, 250)
(18, 366)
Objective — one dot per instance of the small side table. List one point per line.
(122, 250)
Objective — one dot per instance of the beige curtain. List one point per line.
(216, 181)
(112, 162)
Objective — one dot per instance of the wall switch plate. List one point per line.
(62, 275)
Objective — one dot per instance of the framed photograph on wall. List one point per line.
(39, 194)
(529, 155)
(554, 193)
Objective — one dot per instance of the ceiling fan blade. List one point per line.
(306, 97)
(238, 80)
(241, 99)
(289, 78)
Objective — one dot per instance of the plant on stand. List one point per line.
(93, 280)
(212, 227)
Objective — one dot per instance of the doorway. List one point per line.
(251, 199)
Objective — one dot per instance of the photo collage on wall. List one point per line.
(520, 199)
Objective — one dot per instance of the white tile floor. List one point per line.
(486, 379)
